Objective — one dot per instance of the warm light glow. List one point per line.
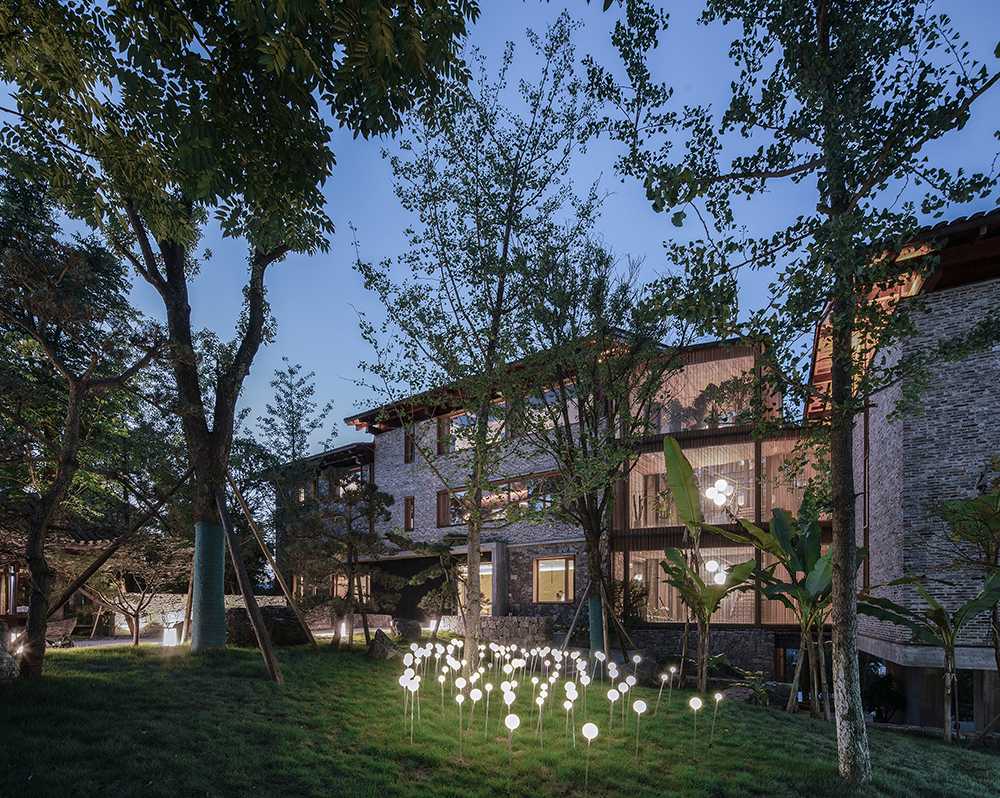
(695, 703)
(512, 722)
(721, 485)
(476, 694)
(711, 566)
(613, 695)
(169, 637)
(718, 696)
(589, 730)
(719, 500)
(720, 578)
(639, 707)
(711, 493)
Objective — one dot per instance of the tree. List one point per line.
(332, 539)
(292, 419)
(935, 625)
(585, 398)
(71, 342)
(682, 570)
(147, 117)
(847, 94)
(487, 185)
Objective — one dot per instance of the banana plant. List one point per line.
(933, 625)
(682, 571)
(703, 599)
(797, 545)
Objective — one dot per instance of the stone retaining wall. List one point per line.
(505, 629)
(167, 609)
(750, 649)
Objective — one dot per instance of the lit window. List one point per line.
(451, 509)
(553, 579)
(409, 449)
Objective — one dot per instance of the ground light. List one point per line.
(670, 692)
(612, 697)
(695, 705)
(663, 681)
(475, 694)
(511, 722)
(590, 732)
(460, 698)
(639, 707)
(718, 698)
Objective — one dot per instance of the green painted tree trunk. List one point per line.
(208, 628)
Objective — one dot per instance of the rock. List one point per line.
(9, 668)
(777, 694)
(382, 647)
(407, 629)
(281, 624)
(63, 641)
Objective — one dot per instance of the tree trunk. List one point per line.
(46, 507)
(852, 736)
(703, 653)
(823, 680)
(948, 669)
(813, 677)
(474, 598)
(793, 698)
(136, 620)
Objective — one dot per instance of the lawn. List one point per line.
(153, 721)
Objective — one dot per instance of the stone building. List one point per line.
(905, 466)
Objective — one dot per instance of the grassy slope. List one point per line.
(164, 722)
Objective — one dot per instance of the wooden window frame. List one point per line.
(409, 445)
(408, 515)
(569, 578)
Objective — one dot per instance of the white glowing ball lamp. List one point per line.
(695, 703)
(460, 683)
(589, 731)
(508, 698)
(631, 681)
(512, 722)
(639, 707)
(720, 499)
(721, 485)
(720, 578)
(711, 566)
(476, 694)
(613, 695)
(585, 680)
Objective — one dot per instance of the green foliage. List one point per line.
(336, 727)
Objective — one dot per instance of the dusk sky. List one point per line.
(315, 299)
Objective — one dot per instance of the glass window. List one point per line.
(408, 513)
(451, 508)
(485, 584)
(724, 475)
(705, 394)
(664, 603)
(553, 579)
(409, 449)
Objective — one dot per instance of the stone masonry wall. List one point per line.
(750, 649)
(401, 479)
(505, 630)
(933, 456)
(520, 589)
(167, 609)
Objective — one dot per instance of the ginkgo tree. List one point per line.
(146, 118)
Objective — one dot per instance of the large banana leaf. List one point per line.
(680, 478)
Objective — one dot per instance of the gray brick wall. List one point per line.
(932, 456)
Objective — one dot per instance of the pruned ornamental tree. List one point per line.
(488, 186)
(147, 117)
(71, 344)
(846, 95)
(603, 360)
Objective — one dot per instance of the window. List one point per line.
(409, 449)
(450, 509)
(553, 579)
(530, 494)
(446, 444)
(485, 584)
(408, 514)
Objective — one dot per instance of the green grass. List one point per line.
(164, 722)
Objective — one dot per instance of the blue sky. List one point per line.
(315, 299)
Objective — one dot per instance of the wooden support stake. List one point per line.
(106, 555)
(263, 639)
(289, 597)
